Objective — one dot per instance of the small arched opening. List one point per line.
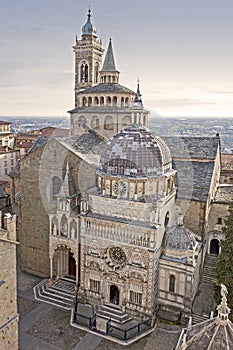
(214, 246)
(114, 295)
(166, 220)
(172, 281)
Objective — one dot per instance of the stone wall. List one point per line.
(8, 287)
(36, 174)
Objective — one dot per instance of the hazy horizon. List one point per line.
(180, 50)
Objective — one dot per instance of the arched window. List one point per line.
(81, 120)
(56, 186)
(96, 72)
(172, 281)
(86, 73)
(84, 101)
(126, 120)
(122, 102)
(89, 101)
(126, 102)
(64, 226)
(166, 221)
(108, 123)
(102, 100)
(114, 101)
(95, 123)
(82, 73)
(96, 100)
(108, 100)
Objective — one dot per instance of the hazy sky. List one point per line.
(182, 51)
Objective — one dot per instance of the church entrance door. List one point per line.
(114, 295)
(72, 265)
(214, 246)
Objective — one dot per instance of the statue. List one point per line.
(224, 292)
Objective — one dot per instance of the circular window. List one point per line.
(120, 188)
(115, 257)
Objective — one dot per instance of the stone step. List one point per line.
(70, 279)
(53, 296)
(116, 315)
(54, 302)
(109, 308)
(64, 285)
(58, 293)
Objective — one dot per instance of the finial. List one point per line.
(223, 309)
(89, 11)
(110, 39)
(67, 167)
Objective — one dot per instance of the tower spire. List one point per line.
(88, 28)
(109, 73)
(109, 62)
(138, 97)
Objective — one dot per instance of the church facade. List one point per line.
(127, 244)
(127, 215)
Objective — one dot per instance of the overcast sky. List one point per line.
(181, 50)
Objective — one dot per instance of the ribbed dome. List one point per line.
(180, 238)
(135, 151)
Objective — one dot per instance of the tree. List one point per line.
(224, 263)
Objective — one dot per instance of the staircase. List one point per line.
(208, 269)
(114, 313)
(120, 321)
(204, 300)
(61, 293)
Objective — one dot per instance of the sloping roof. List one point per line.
(105, 88)
(53, 131)
(86, 146)
(193, 179)
(102, 109)
(41, 141)
(226, 161)
(3, 122)
(224, 194)
(193, 158)
(192, 147)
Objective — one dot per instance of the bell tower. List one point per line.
(88, 58)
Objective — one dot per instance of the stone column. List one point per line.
(51, 266)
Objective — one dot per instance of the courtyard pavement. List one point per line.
(46, 327)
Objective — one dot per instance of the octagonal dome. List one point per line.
(180, 238)
(135, 152)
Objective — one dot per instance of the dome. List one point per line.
(213, 334)
(180, 238)
(135, 152)
(88, 27)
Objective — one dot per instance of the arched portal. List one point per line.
(63, 262)
(72, 265)
(214, 246)
(114, 295)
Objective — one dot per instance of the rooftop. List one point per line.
(224, 194)
(135, 151)
(107, 88)
(192, 147)
(213, 334)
